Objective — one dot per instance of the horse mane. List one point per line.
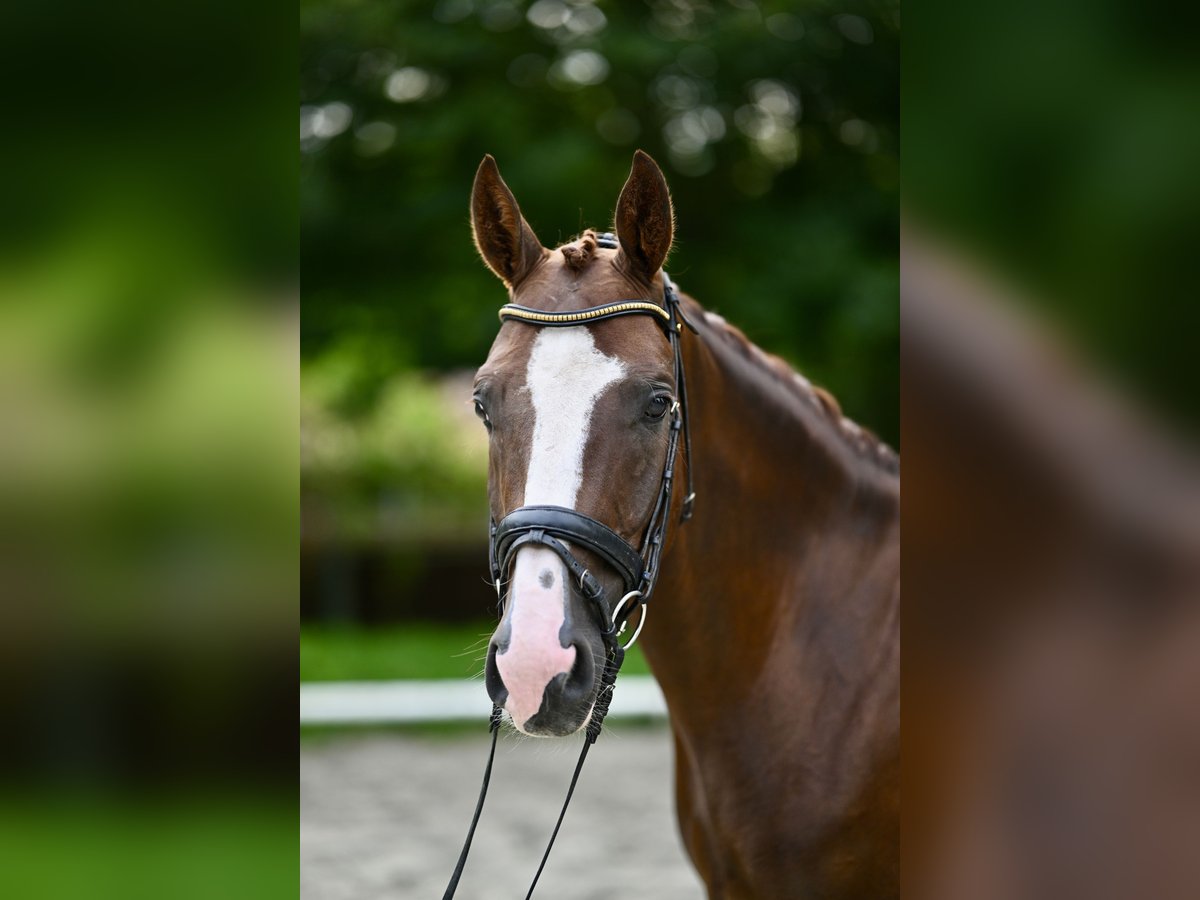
(579, 252)
(865, 443)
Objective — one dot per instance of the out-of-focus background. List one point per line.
(1052, 492)
(148, 346)
(1052, 143)
(776, 125)
(777, 128)
(148, 486)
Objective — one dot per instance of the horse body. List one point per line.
(775, 624)
(775, 637)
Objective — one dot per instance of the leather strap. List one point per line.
(612, 666)
(671, 297)
(567, 524)
(494, 721)
(574, 317)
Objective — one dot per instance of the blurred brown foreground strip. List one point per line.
(1052, 633)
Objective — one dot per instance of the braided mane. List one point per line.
(862, 440)
(581, 251)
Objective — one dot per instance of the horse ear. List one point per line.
(504, 239)
(645, 219)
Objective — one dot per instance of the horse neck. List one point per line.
(792, 504)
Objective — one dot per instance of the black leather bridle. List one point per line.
(551, 526)
(558, 529)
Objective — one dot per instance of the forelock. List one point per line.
(580, 252)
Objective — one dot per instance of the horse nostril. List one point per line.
(579, 682)
(491, 677)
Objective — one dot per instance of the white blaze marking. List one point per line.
(565, 375)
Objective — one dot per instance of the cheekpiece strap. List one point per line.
(675, 309)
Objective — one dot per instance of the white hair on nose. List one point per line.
(565, 375)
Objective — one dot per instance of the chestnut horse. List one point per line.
(775, 628)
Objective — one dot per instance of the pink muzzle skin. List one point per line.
(536, 613)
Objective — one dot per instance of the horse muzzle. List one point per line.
(542, 660)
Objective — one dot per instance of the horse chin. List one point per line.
(554, 723)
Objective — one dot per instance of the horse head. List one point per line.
(579, 418)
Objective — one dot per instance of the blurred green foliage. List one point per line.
(195, 848)
(412, 466)
(776, 124)
(148, 507)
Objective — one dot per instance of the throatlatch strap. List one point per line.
(487, 777)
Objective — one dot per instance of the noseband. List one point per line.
(558, 529)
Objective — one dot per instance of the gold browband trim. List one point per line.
(583, 315)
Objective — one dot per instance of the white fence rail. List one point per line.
(395, 702)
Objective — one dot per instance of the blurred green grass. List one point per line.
(218, 846)
(412, 651)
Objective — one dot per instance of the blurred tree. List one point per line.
(777, 125)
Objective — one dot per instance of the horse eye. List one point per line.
(482, 413)
(658, 406)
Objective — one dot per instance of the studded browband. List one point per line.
(583, 316)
